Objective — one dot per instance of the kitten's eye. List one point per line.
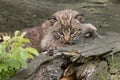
(61, 33)
(72, 32)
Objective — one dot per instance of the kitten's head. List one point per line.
(66, 27)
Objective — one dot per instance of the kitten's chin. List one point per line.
(69, 43)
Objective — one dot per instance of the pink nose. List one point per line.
(67, 39)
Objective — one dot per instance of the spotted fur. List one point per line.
(64, 27)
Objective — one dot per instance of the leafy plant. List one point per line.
(102, 76)
(113, 69)
(13, 55)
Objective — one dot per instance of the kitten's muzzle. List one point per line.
(67, 39)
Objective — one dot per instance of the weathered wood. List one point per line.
(97, 50)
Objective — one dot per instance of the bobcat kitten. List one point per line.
(63, 28)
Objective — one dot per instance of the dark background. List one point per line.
(20, 14)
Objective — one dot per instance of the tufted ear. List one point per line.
(52, 20)
(80, 18)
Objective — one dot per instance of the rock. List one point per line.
(95, 62)
(99, 1)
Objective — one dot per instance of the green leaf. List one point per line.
(16, 33)
(23, 53)
(3, 66)
(32, 50)
(14, 63)
(23, 34)
(24, 64)
(0, 49)
(29, 56)
(25, 40)
(102, 76)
